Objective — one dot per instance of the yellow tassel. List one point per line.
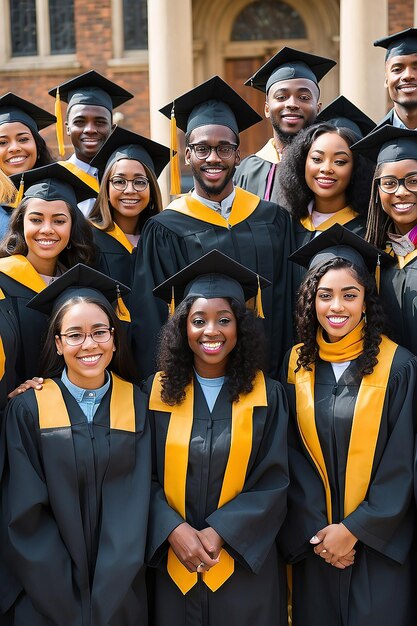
(59, 124)
(174, 157)
(258, 302)
(171, 305)
(378, 273)
(19, 196)
(122, 311)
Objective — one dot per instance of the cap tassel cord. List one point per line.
(122, 311)
(59, 124)
(258, 302)
(19, 196)
(174, 157)
(171, 305)
(378, 272)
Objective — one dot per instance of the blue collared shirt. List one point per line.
(88, 399)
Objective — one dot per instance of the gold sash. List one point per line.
(117, 233)
(53, 412)
(176, 466)
(81, 174)
(341, 217)
(243, 206)
(2, 353)
(365, 425)
(20, 269)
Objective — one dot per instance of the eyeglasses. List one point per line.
(120, 183)
(224, 151)
(391, 184)
(101, 335)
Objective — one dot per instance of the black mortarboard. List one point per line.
(212, 102)
(92, 88)
(16, 109)
(338, 241)
(123, 144)
(53, 182)
(399, 44)
(342, 113)
(388, 144)
(80, 280)
(290, 63)
(214, 275)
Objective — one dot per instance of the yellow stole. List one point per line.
(81, 174)
(243, 206)
(53, 412)
(341, 217)
(2, 353)
(21, 270)
(402, 261)
(117, 233)
(269, 152)
(176, 465)
(365, 425)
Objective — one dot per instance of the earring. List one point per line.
(69, 246)
(59, 353)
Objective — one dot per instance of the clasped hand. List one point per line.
(335, 544)
(198, 550)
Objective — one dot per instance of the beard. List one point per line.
(286, 138)
(212, 189)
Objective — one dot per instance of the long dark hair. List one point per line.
(176, 359)
(291, 172)
(81, 246)
(44, 157)
(307, 323)
(52, 364)
(102, 213)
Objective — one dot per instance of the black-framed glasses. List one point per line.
(391, 184)
(224, 151)
(76, 338)
(120, 183)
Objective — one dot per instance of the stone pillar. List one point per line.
(170, 47)
(361, 64)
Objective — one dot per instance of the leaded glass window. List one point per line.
(23, 27)
(268, 19)
(61, 24)
(135, 24)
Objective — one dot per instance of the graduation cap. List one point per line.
(52, 182)
(123, 144)
(212, 102)
(80, 280)
(399, 44)
(16, 109)
(90, 88)
(388, 144)
(339, 242)
(342, 113)
(214, 275)
(290, 63)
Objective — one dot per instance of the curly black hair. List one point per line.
(175, 358)
(307, 323)
(291, 172)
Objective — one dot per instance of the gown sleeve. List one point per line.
(250, 522)
(38, 555)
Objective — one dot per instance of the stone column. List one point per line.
(361, 64)
(170, 47)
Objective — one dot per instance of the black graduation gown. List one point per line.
(256, 591)
(378, 588)
(172, 240)
(388, 119)
(76, 502)
(301, 236)
(252, 174)
(398, 292)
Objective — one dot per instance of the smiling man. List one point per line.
(401, 77)
(215, 215)
(91, 99)
(290, 82)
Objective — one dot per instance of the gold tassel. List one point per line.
(59, 124)
(258, 302)
(171, 305)
(122, 311)
(19, 196)
(174, 157)
(378, 273)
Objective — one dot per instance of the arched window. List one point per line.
(266, 20)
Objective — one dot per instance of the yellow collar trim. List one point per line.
(176, 466)
(365, 427)
(117, 233)
(53, 412)
(243, 206)
(405, 260)
(79, 173)
(340, 217)
(269, 152)
(20, 269)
